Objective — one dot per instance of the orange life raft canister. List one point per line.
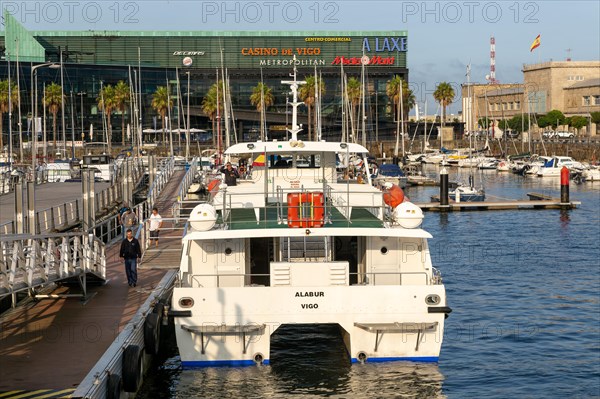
(305, 209)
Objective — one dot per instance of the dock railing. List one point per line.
(29, 261)
(164, 173)
(186, 182)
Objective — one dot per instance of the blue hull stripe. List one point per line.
(240, 363)
(221, 363)
(426, 359)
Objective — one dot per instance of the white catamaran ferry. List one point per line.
(292, 244)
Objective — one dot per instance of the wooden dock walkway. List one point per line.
(46, 196)
(536, 201)
(53, 343)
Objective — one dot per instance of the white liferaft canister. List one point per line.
(203, 217)
(408, 215)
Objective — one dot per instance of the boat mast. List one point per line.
(343, 103)
(402, 117)
(294, 84)
(9, 155)
(19, 107)
(62, 104)
(425, 127)
(364, 60)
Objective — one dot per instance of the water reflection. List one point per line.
(565, 218)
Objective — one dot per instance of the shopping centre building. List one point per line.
(92, 59)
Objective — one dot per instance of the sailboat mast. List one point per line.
(363, 125)
(425, 127)
(169, 116)
(402, 116)
(62, 103)
(9, 155)
(20, 124)
(72, 128)
(218, 120)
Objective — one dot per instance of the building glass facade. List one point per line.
(94, 59)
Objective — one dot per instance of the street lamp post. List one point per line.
(34, 98)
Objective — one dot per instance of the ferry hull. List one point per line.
(232, 326)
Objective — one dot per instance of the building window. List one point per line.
(497, 107)
(517, 105)
(596, 100)
(571, 78)
(579, 77)
(490, 107)
(586, 100)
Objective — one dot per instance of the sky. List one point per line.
(443, 36)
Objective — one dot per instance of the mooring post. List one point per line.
(564, 185)
(444, 187)
(31, 222)
(19, 217)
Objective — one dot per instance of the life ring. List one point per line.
(393, 196)
(152, 326)
(306, 209)
(114, 385)
(132, 368)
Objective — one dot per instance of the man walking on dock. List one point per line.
(130, 252)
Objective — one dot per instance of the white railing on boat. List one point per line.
(360, 278)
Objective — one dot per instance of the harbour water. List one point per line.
(525, 290)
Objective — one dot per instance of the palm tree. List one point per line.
(53, 101)
(209, 105)
(107, 102)
(353, 89)
(444, 95)
(261, 95)
(392, 90)
(161, 102)
(308, 94)
(4, 104)
(122, 96)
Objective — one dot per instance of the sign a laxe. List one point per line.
(381, 44)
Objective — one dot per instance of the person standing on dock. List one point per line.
(130, 252)
(155, 225)
(128, 220)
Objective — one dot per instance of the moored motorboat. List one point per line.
(293, 245)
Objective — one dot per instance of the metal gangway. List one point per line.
(28, 262)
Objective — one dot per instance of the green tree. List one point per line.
(4, 104)
(107, 102)
(577, 122)
(483, 122)
(53, 101)
(595, 119)
(209, 105)
(122, 97)
(543, 122)
(308, 94)
(162, 102)
(503, 124)
(392, 90)
(518, 123)
(444, 95)
(262, 95)
(555, 118)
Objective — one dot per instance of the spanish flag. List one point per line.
(536, 43)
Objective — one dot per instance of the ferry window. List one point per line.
(384, 250)
(228, 251)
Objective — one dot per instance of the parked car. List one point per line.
(511, 133)
(561, 134)
(548, 135)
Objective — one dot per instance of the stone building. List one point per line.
(572, 87)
